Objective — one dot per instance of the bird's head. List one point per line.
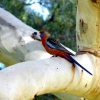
(44, 33)
(40, 34)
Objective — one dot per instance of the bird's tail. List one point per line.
(74, 61)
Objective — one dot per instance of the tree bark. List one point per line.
(16, 45)
(88, 26)
(26, 80)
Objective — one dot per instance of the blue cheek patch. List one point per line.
(42, 35)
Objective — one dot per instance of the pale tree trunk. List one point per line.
(26, 80)
(16, 45)
(88, 26)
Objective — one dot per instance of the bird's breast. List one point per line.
(50, 50)
(54, 51)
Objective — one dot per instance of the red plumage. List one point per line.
(54, 51)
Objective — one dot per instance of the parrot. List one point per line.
(55, 48)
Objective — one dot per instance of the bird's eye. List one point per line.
(35, 33)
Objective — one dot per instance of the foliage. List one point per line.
(60, 22)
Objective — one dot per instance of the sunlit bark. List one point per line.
(88, 26)
(16, 45)
(25, 81)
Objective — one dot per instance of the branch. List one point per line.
(16, 45)
(26, 80)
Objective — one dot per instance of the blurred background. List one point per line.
(58, 17)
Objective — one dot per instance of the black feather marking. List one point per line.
(57, 45)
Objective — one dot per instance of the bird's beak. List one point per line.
(36, 36)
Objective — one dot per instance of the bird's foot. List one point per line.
(54, 56)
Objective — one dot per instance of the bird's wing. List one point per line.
(54, 44)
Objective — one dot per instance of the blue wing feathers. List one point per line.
(51, 45)
(73, 60)
(54, 44)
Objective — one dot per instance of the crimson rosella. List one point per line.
(55, 48)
